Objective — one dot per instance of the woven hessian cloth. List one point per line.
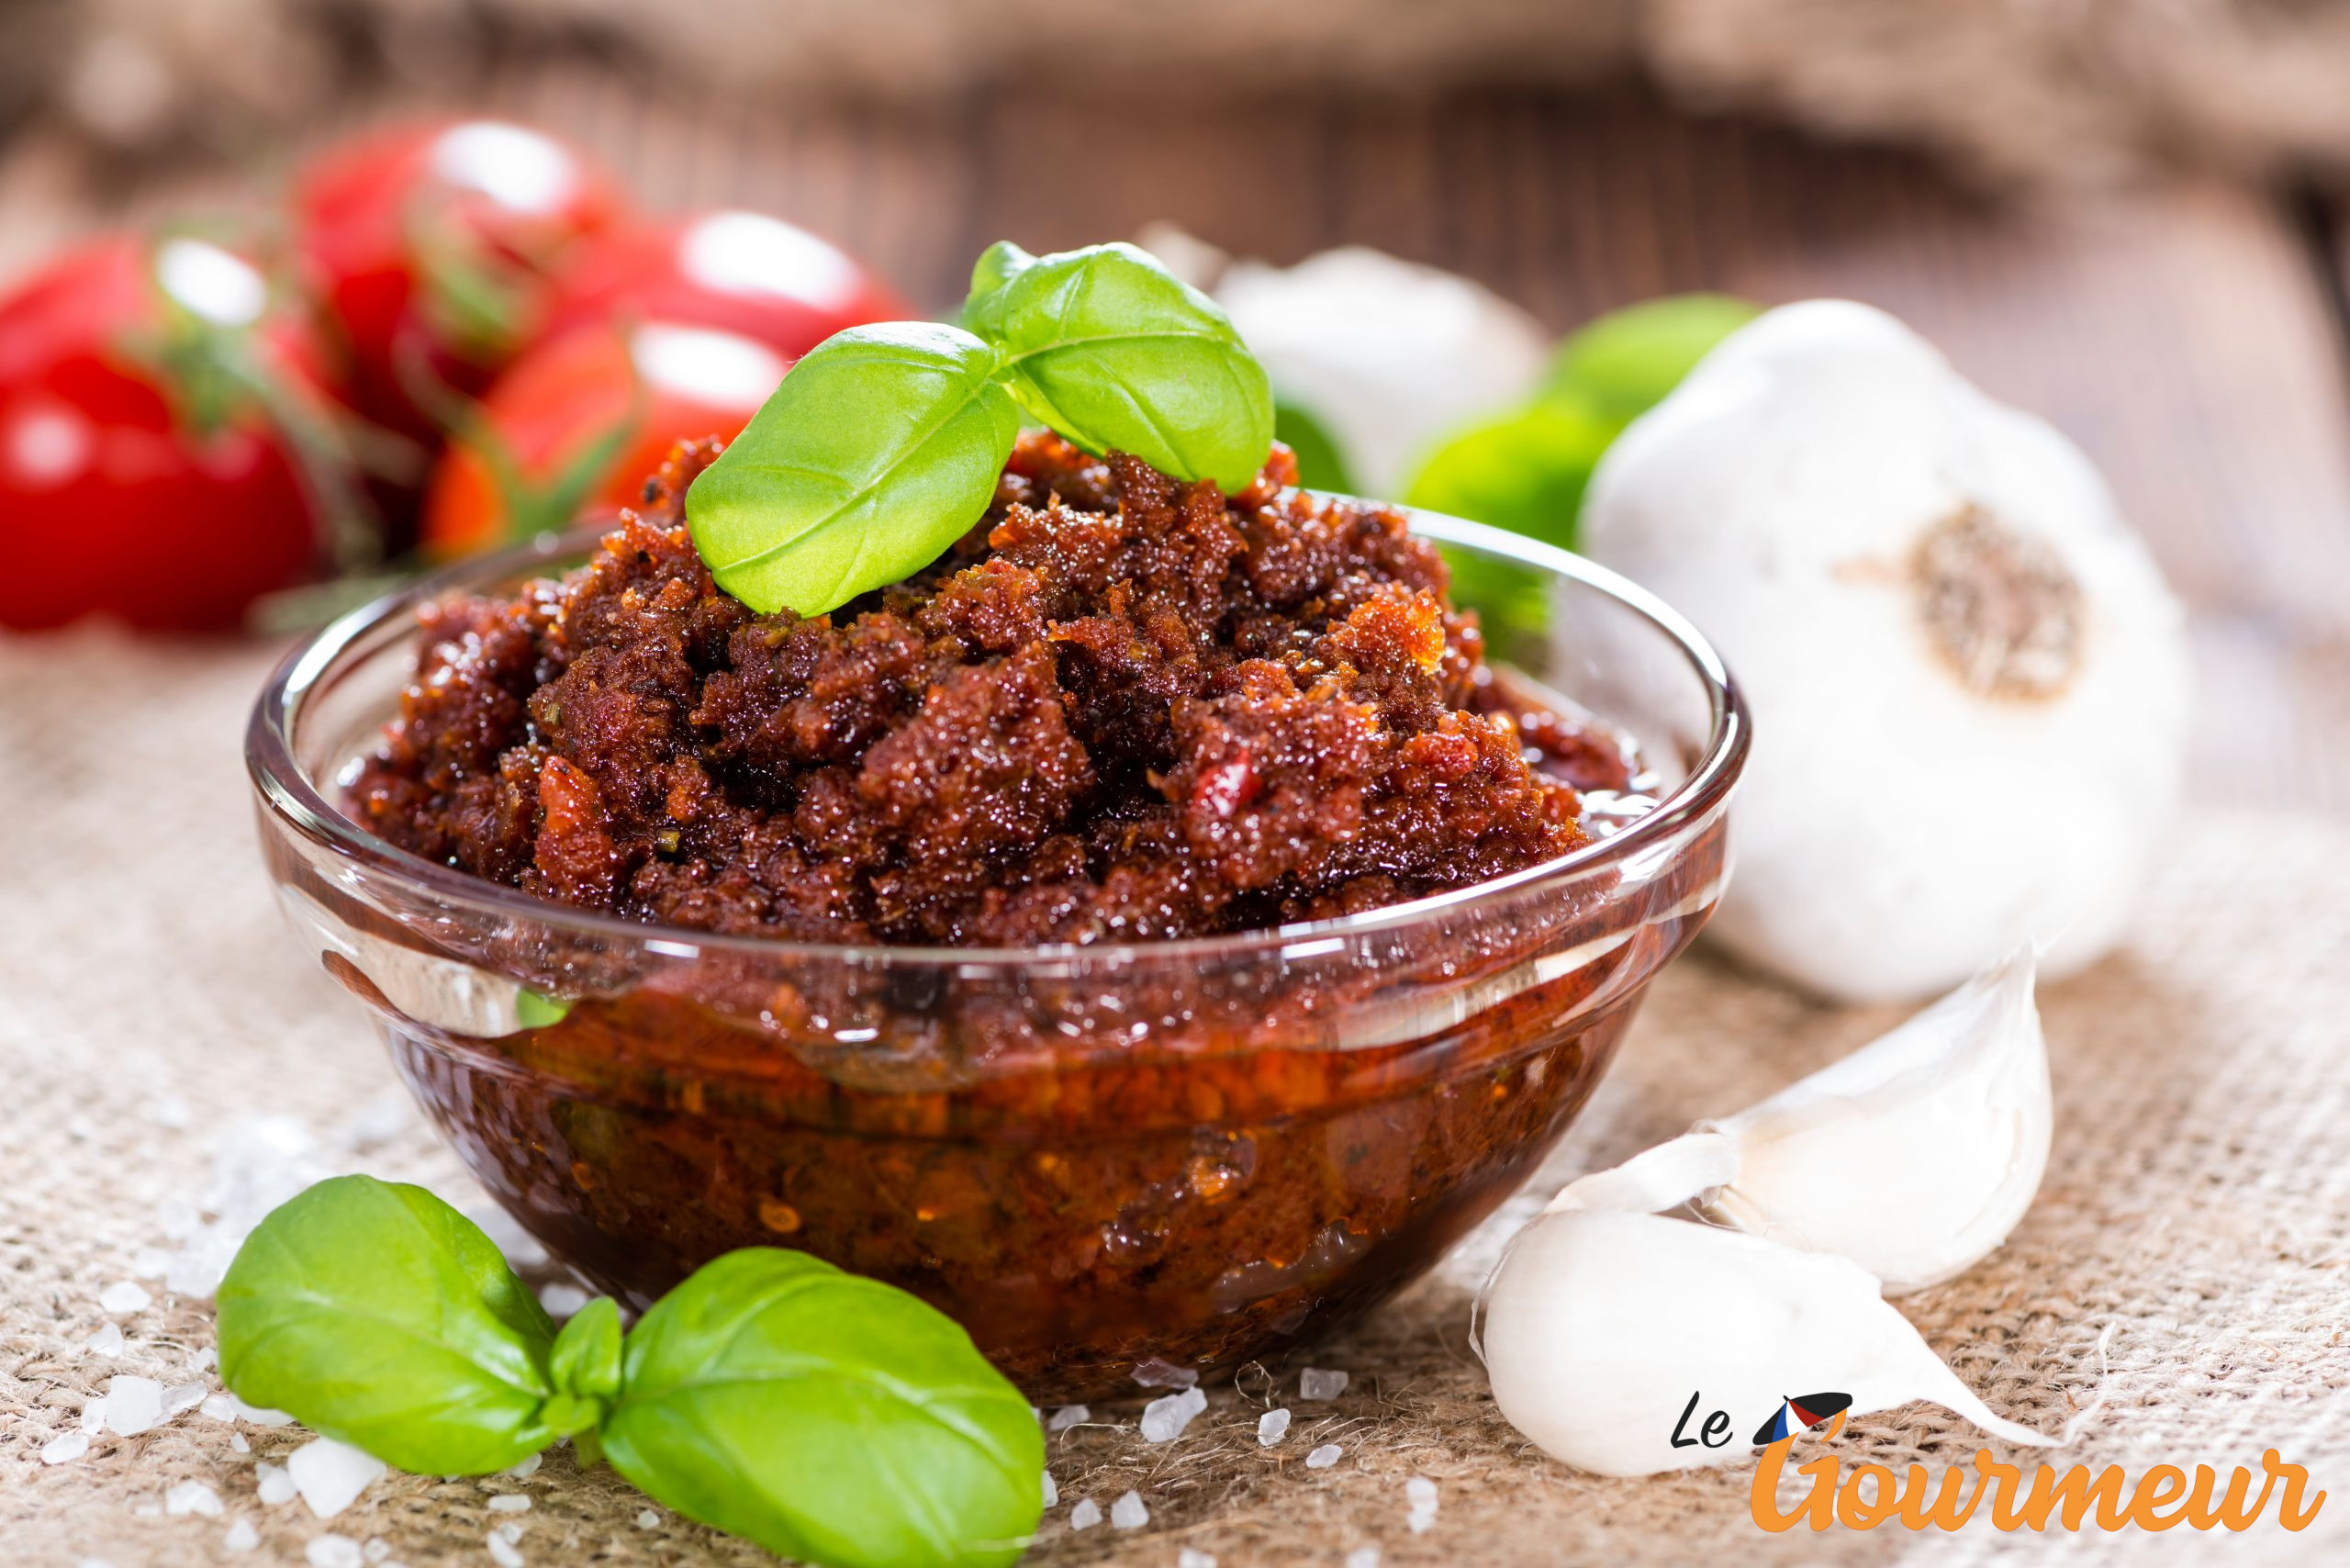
(2197, 1206)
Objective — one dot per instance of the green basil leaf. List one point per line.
(1623, 364)
(1320, 466)
(827, 1417)
(1523, 471)
(880, 449)
(1117, 354)
(374, 1312)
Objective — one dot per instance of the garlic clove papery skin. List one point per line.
(1916, 1155)
(1970, 683)
(1598, 1326)
(1388, 354)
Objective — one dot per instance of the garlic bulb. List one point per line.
(1386, 354)
(1607, 1335)
(1970, 683)
(1914, 1156)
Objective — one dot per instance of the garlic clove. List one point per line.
(1914, 1156)
(1598, 1327)
(1971, 685)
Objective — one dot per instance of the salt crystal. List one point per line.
(125, 1295)
(330, 1476)
(1163, 1420)
(64, 1450)
(1156, 1373)
(146, 1511)
(94, 1415)
(217, 1407)
(1324, 1457)
(181, 1396)
(1272, 1428)
(1067, 1416)
(1421, 1492)
(1052, 1491)
(1128, 1513)
(1191, 1557)
(334, 1551)
(525, 1470)
(376, 1549)
(134, 1405)
(203, 1358)
(562, 1299)
(509, 1533)
(502, 1552)
(106, 1341)
(237, 1441)
(170, 1111)
(151, 1262)
(192, 1497)
(178, 1218)
(1317, 1383)
(509, 1503)
(276, 1486)
(1086, 1515)
(647, 1520)
(241, 1537)
(1363, 1557)
(257, 1416)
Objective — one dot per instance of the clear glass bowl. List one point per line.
(1105, 1161)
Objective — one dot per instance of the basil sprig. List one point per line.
(826, 1416)
(884, 444)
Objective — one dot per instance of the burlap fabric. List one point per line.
(2196, 1216)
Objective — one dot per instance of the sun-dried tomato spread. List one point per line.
(1120, 708)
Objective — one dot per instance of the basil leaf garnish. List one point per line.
(374, 1312)
(880, 448)
(1117, 354)
(827, 1417)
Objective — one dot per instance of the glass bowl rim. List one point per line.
(291, 795)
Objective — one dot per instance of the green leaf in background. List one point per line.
(1320, 464)
(826, 1416)
(1523, 471)
(1116, 352)
(1623, 364)
(374, 1312)
(882, 446)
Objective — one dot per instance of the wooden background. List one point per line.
(2190, 336)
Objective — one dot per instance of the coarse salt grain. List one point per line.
(203, 1358)
(647, 1520)
(376, 1549)
(134, 1405)
(276, 1486)
(331, 1475)
(65, 1449)
(192, 1497)
(334, 1551)
(525, 1470)
(257, 1416)
(508, 1533)
(125, 1295)
(237, 1441)
(1363, 1557)
(1067, 1416)
(241, 1537)
(509, 1503)
(1128, 1512)
(217, 1407)
(106, 1341)
(1421, 1494)
(1052, 1491)
(181, 1396)
(1192, 1557)
(1163, 1420)
(151, 1262)
(1272, 1428)
(1324, 1457)
(1086, 1515)
(502, 1552)
(1156, 1373)
(94, 1415)
(1319, 1383)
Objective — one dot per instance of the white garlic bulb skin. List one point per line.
(1970, 683)
(1599, 1326)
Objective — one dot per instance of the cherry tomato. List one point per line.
(581, 420)
(430, 248)
(740, 272)
(163, 442)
